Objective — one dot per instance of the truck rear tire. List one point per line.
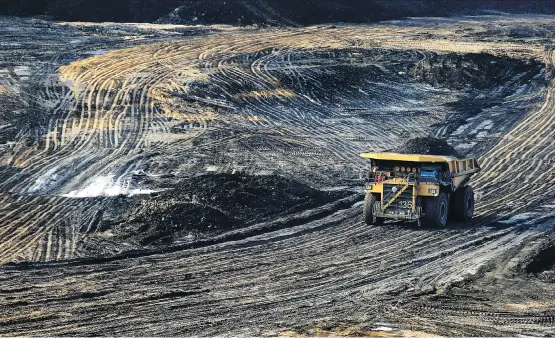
(463, 204)
(436, 210)
(368, 205)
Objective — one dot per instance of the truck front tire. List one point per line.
(368, 205)
(436, 210)
(463, 204)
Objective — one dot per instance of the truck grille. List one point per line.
(403, 202)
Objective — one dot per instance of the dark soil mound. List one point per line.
(427, 146)
(204, 206)
(542, 261)
(164, 225)
(473, 70)
(247, 197)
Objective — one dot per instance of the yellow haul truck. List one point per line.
(423, 188)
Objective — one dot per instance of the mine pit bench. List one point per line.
(422, 188)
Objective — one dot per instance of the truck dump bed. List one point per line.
(460, 169)
(457, 166)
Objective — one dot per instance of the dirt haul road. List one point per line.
(94, 112)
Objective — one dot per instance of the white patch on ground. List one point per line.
(133, 192)
(212, 168)
(10, 44)
(487, 228)
(520, 218)
(520, 91)
(44, 181)
(343, 187)
(68, 83)
(264, 173)
(107, 186)
(485, 125)
(541, 73)
(465, 146)
(461, 129)
(97, 52)
(22, 71)
(382, 328)
(395, 109)
(311, 100)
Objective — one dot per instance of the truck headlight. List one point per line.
(432, 191)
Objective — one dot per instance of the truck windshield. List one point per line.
(429, 173)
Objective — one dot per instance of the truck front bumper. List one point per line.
(397, 215)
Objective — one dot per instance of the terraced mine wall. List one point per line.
(261, 12)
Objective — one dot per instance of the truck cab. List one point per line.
(422, 188)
